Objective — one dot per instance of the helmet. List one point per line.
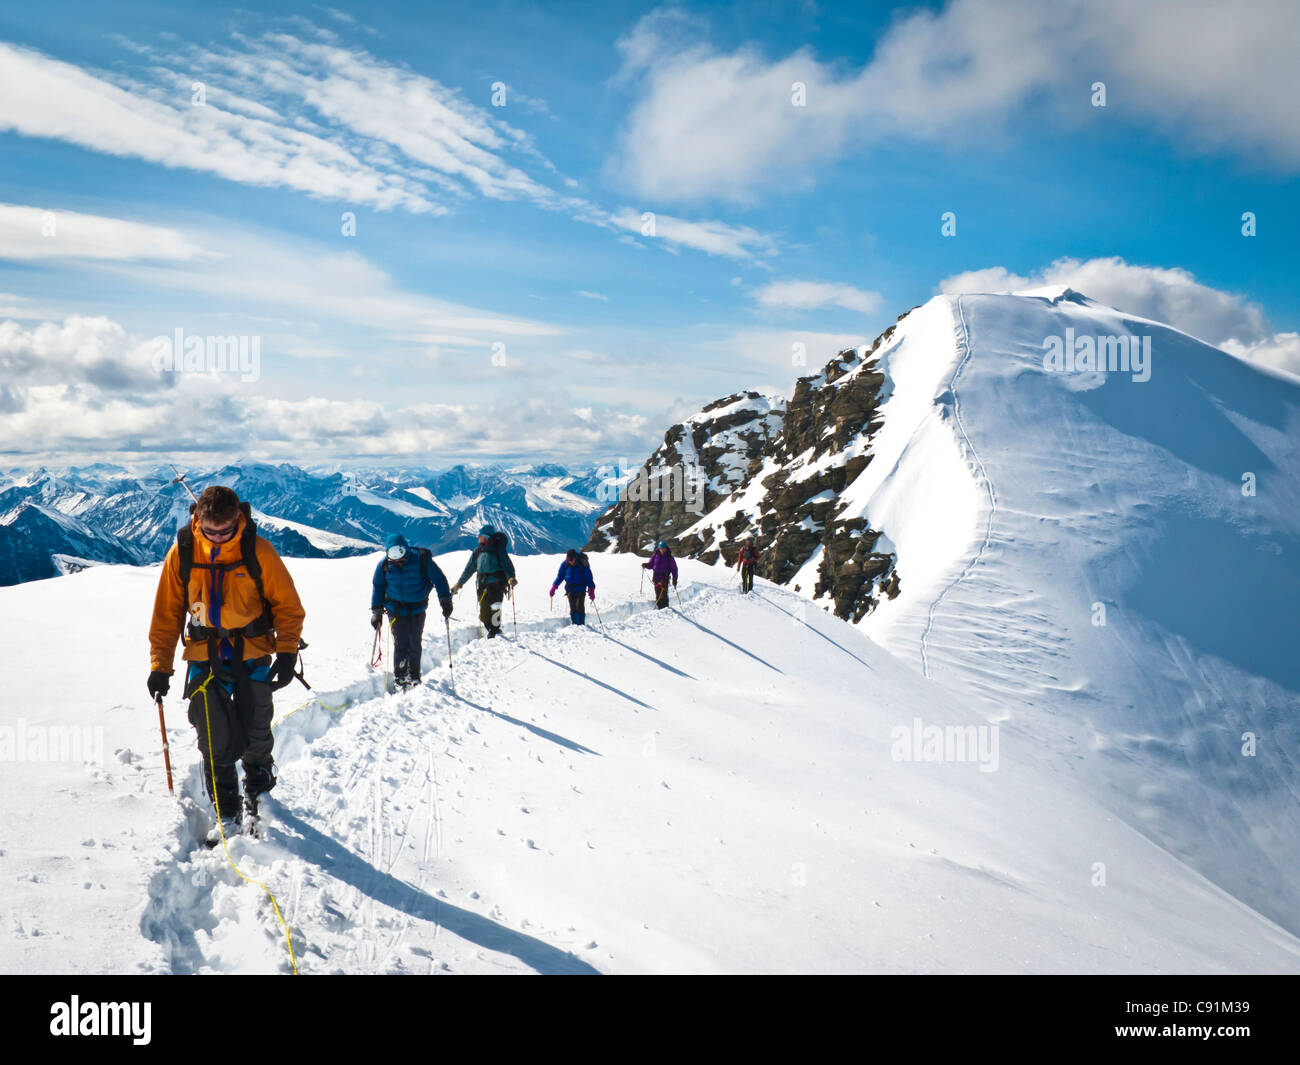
(395, 547)
(662, 544)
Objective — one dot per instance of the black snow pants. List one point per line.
(408, 638)
(232, 714)
(490, 596)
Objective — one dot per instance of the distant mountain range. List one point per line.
(54, 522)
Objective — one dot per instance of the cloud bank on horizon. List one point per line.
(459, 247)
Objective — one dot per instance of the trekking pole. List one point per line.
(390, 649)
(676, 593)
(643, 580)
(514, 619)
(167, 754)
(598, 617)
(376, 652)
(447, 622)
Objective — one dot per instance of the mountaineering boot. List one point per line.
(229, 826)
(226, 801)
(252, 819)
(258, 779)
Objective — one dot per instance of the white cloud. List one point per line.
(426, 121)
(1163, 294)
(81, 351)
(28, 233)
(809, 295)
(593, 295)
(1280, 351)
(44, 97)
(712, 124)
(1227, 320)
(86, 384)
(714, 238)
(362, 131)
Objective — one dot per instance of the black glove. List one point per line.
(376, 616)
(674, 582)
(282, 671)
(159, 683)
(446, 607)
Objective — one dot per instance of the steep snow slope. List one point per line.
(1077, 552)
(715, 788)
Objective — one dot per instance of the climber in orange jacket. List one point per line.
(231, 594)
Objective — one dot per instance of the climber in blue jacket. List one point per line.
(403, 580)
(575, 572)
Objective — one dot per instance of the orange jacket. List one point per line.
(237, 600)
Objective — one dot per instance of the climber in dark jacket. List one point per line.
(402, 583)
(746, 562)
(491, 561)
(662, 566)
(575, 572)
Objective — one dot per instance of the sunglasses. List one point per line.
(218, 535)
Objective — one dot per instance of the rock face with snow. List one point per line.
(704, 460)
(777, 471)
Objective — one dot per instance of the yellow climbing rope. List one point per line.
(212, 767)
(314, 699)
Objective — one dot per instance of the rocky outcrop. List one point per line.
(780, 472)
(702, 462)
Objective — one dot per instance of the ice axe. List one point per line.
(180, 480)
(167, 754)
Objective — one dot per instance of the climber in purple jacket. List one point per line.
(662, 566)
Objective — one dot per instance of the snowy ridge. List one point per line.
(635, 800)
(1107, 581)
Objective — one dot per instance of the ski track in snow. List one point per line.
(984, 479)
(190, 895)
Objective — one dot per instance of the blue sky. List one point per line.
(500, 300)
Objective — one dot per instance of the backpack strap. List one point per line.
(262, 625)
